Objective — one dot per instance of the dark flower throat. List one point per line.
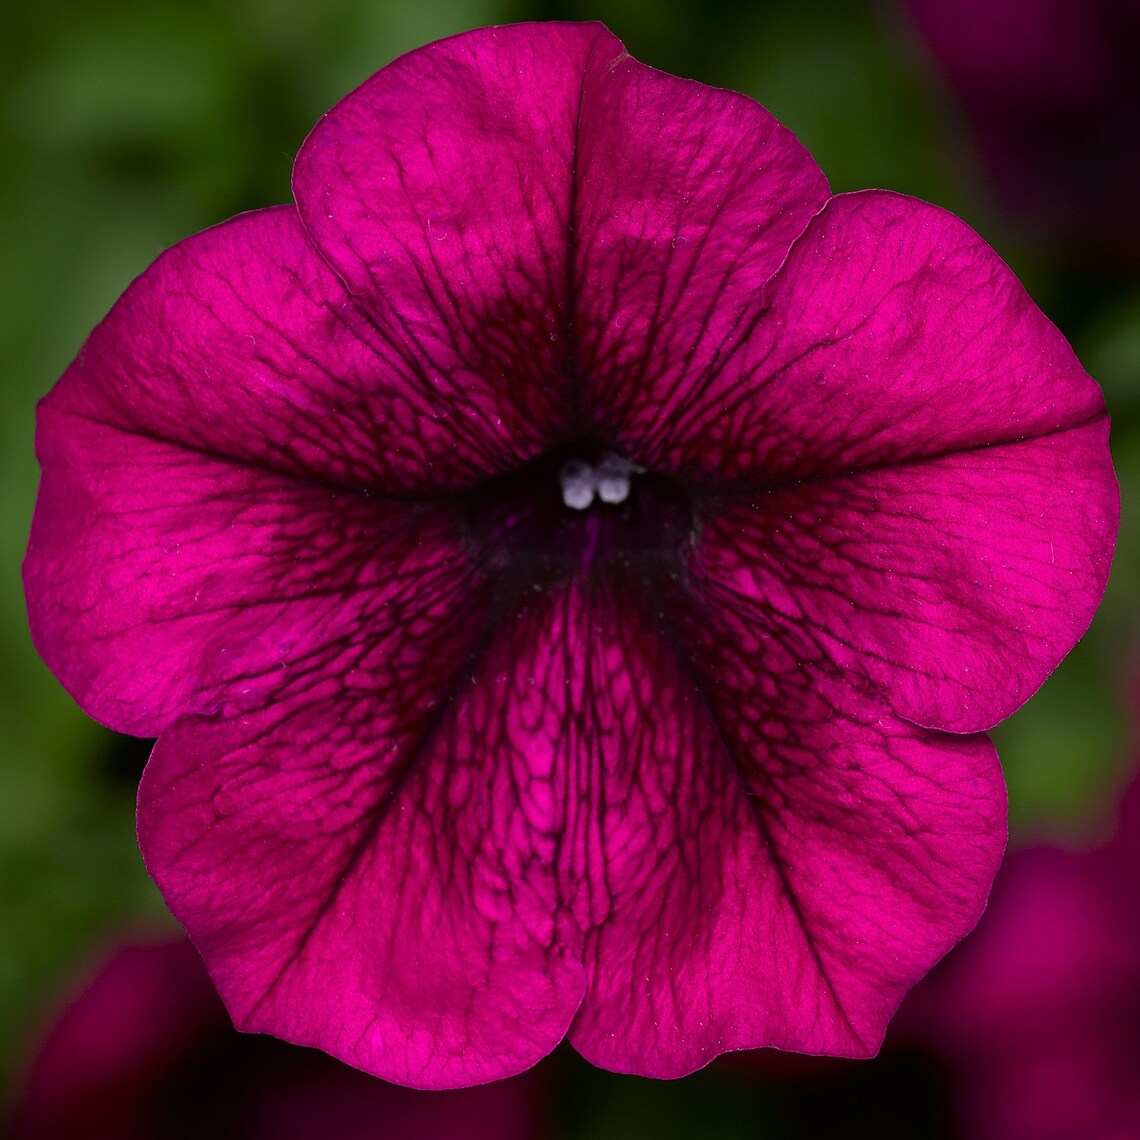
(578, 509)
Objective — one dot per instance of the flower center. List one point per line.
(608, 480)
(577, 509)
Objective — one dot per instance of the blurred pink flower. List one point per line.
(1051, 92)
(1039, 1012)
(145, 1051)
(570, 560)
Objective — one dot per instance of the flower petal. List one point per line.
(368, 865)
(893, 332)
(420, 901)
(190, 515)
(442, 191)
(955, 585)
(689, 200)
(605, 214)
(207, 583)
(783, 858)
(241, 342)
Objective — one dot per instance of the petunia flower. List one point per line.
(1038, 1014)
(569, 560)
(143, 1050)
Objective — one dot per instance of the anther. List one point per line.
(609, 480)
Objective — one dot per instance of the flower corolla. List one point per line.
(569, 560)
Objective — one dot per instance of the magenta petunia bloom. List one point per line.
(569, 560)
(1038, 1015)
(143, 1050)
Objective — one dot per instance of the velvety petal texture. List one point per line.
(569, 560)
(389, 868)
(892, 333)
(269, 419)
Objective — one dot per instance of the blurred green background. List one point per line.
(126, 126)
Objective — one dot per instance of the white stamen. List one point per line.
(577, 481)
(609, 481)
(612, 479)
